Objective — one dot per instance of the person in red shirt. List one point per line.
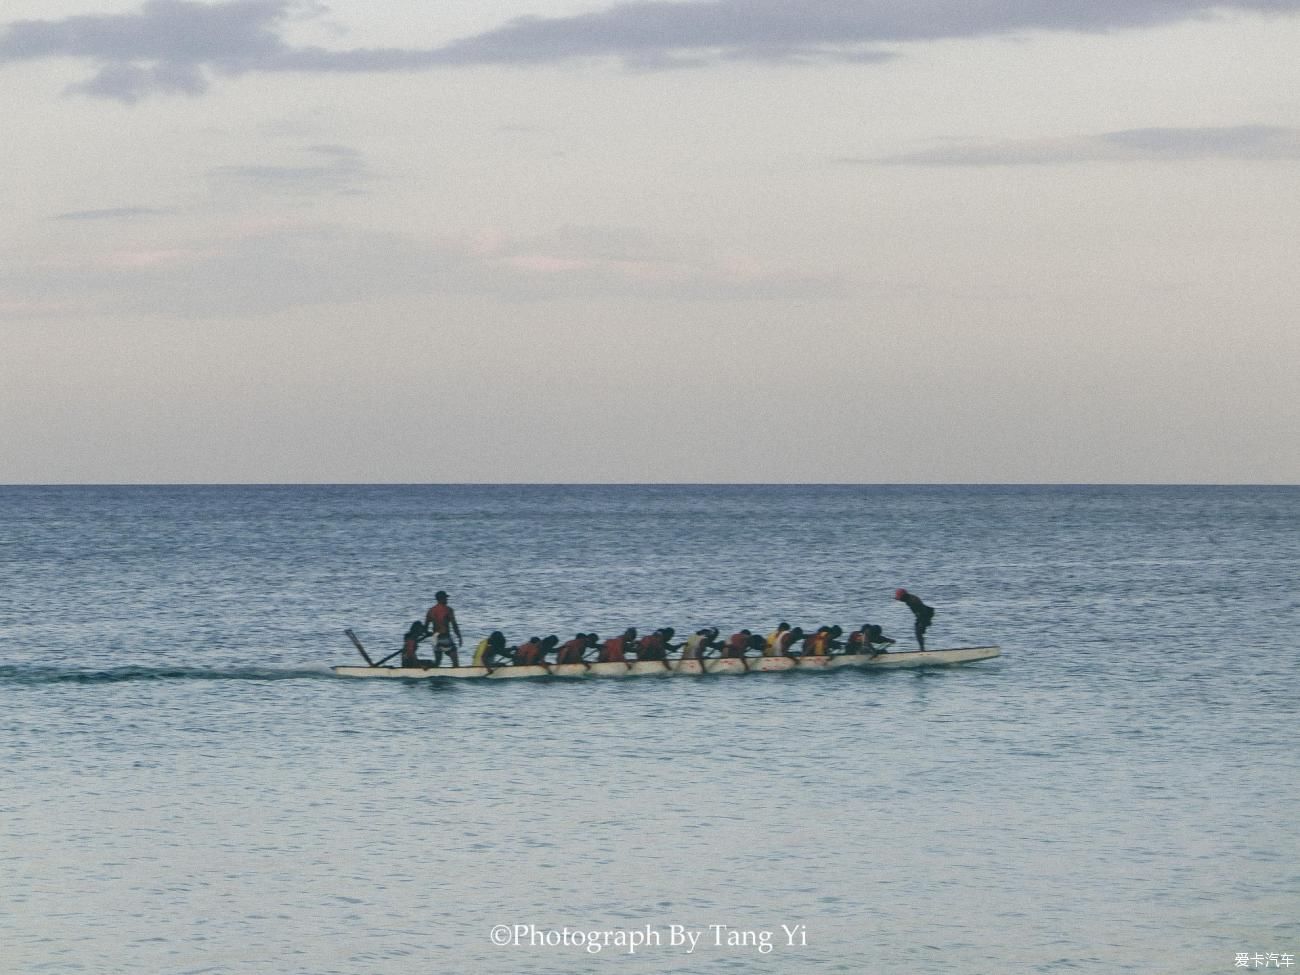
(738, 643)
(528, 654)
(735, 645)
(571, 652)
(655, 646)
(441, 620)
(615, 649)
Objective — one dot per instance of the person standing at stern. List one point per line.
(923, 613)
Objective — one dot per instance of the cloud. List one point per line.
(116, 213)
(1240, 142)
(341, 172)
(815, 30)
(170, 46)
(129, 82)
(616, 261)
(265, 270)
(179, 46)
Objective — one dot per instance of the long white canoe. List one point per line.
(672, 668)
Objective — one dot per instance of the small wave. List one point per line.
(115, 675)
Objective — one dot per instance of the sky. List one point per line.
(865, 241)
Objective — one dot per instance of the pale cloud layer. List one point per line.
(180, 46)
(115, 213)
(269, 270)
(1246, 143)
(338, 170)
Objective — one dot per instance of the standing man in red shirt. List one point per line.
(441, 620)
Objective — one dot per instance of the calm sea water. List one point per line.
(186, 787)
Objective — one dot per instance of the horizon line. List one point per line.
(632, 484)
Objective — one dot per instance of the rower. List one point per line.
(924, 614)
(823, 642)
(417, 632)
(529, 654)
(548, 645)
(700, 641)
(738, 643)
(655, 646)
(814, 644)
(490, 650)
(572, 651)
(771, 648)
(735, 645)
(786, 641)
(868, 639)
(616, 649)
(442, 619)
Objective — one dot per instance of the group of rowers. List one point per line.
(441, 627)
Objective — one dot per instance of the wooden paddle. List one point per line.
(360, 649)
(365, 656)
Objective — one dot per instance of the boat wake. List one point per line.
(115, 675)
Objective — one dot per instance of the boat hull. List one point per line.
(685, 668)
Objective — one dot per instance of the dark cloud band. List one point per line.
(1240, 142)
(178, 46)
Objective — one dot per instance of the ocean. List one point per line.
(188, 788)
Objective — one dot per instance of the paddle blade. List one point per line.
(360, 649)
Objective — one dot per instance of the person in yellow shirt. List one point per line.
(491, 650)
(773, 647)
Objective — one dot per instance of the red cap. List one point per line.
(900, 593)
